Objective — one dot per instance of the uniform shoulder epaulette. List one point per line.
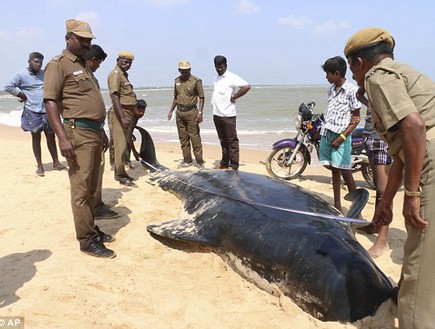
(385, 69)
(57, 58)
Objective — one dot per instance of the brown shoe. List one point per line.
(219, 166)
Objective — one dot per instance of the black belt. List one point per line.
(186, 108)
(85, 123)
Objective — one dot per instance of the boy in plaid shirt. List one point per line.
(341, 118)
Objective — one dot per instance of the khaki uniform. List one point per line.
(396, 90)
(187, 93)
(69, 83)
(118, 83)
(98, 197)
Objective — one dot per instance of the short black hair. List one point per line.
(219, 60)
(95, 51)
(335, 64)
(35, 54)
(369, 53)
(141, 103)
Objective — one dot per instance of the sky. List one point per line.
(266, 42)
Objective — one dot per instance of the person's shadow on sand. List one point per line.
(17, 269)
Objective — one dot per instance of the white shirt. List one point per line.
(225, 86)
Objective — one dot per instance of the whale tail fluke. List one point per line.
(359, 198)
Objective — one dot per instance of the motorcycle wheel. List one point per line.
(276, 163)
(367, 173)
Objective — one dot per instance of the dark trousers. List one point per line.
(227, 133)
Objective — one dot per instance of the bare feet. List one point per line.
(40, 172)
(369, 229)
(378, 249)
(58, 166)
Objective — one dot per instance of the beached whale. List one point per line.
(278, 235)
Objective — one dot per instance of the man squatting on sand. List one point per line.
(402, 101)
(71, 92)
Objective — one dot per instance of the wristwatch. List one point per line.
(413, 194)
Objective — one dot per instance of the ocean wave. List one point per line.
(7, 96)
(11, 119)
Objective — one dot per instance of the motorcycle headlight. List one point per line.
(298, 121)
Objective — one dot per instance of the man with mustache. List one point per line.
(188, 91)
(402, 103)
(121, 115)
(228, 87)
(71, 92)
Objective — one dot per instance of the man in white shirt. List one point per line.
(228, 87)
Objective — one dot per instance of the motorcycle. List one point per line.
(290, 156)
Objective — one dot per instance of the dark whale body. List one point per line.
(313, 259)
(147, 150)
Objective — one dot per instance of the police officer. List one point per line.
(69, 90)
(94, 57)
(402, 101)
(187, 90)
(122, 112)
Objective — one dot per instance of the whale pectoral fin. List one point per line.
(180, 230)
(359, 198)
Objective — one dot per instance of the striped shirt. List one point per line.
(340, 106)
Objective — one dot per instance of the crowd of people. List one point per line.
(65, 101)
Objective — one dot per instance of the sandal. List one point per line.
(127, 182)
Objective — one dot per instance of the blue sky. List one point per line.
(266, 42)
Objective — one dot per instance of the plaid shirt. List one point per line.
(340, 106)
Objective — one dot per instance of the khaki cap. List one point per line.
(365, 38)
(80, 28)
(184, 65)
(126, 54)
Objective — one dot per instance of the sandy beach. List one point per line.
(48, 281)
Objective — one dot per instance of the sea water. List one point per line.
(264, 115)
